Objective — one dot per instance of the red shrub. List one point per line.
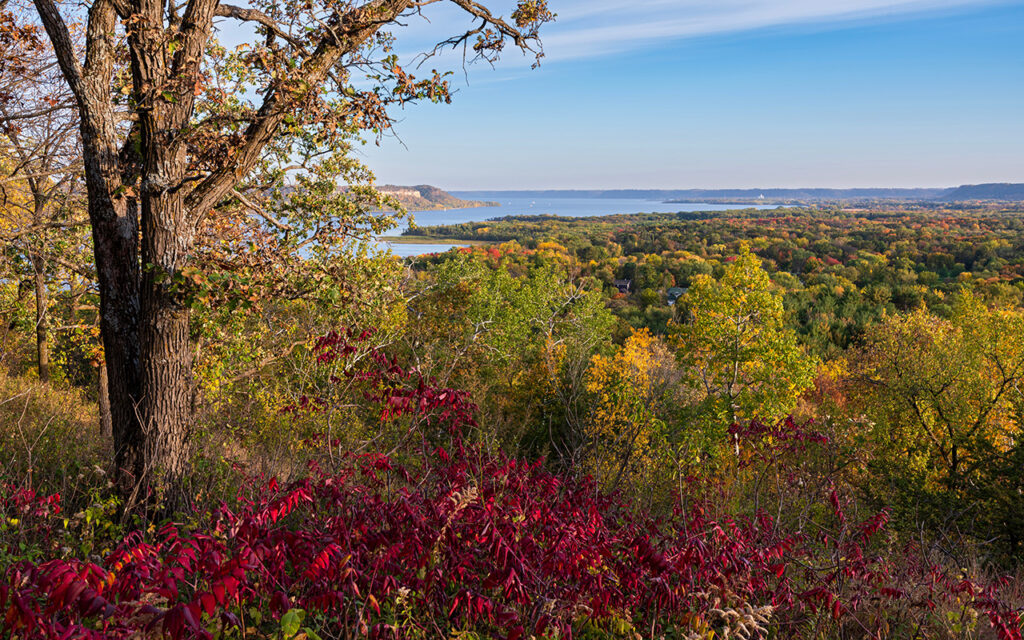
(468, 541)
(472, 540)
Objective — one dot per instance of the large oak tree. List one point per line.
(172, 124)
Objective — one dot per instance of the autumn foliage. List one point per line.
(463, 540)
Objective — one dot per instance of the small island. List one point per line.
(424, 197)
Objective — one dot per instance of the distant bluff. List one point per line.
(424, 197)
(1000, 191)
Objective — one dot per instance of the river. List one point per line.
(574, 207)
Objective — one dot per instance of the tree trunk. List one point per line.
(166, 349)
(42, 322)
(115, 241)
(119, 312)
(114, 220)
(103, 393)
(144, 324)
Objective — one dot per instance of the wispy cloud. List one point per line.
(594, 28)
(587, 28)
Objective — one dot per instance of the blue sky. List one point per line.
(729, 93)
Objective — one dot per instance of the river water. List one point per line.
(574, 207)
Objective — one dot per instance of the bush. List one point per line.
(458, 541)
(473, 542)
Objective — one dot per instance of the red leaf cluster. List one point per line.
(471, 540)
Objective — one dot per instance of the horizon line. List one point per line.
(761, 188)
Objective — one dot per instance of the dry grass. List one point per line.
(49, 435)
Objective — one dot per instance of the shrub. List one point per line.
(463, 542)
(472, 541)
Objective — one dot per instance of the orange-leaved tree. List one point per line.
(41, 226)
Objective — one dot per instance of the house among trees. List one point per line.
(673, 294)
(622, 285)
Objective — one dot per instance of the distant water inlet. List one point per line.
(518, 206)
(408, 250)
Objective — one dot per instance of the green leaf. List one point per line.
(291, 622)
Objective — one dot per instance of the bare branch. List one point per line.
(485, 49)
(260, 211)
(28, 115)
(36, 228)
(253, 15)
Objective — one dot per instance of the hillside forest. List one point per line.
(226, 413)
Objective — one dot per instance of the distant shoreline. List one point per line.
(415, 239)
(465, 204)
(738, 203)
(988, 192)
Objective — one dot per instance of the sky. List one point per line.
(726, 94)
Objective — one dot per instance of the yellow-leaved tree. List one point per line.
(944, 398)
(734, 349)
(631, 391)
